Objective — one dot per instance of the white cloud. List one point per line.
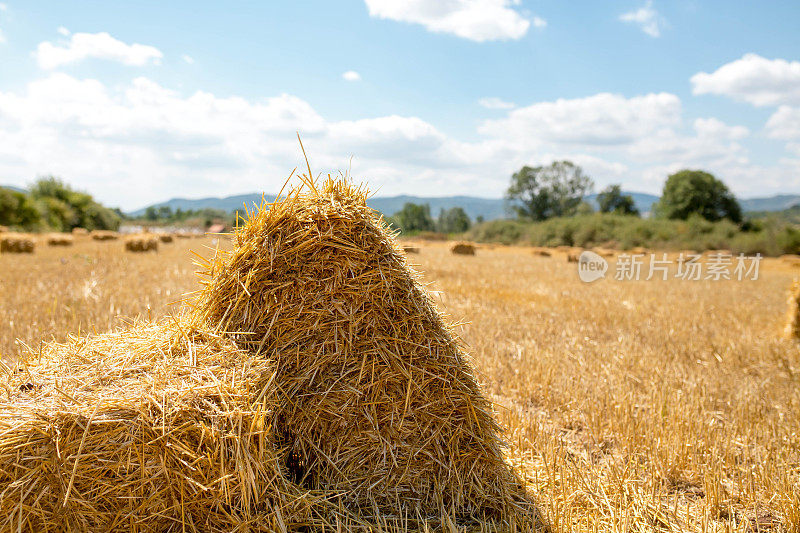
(477, 20)
(351, 75)
(715, 128)
(141, 142)
(95, 45)
(495, 103)
(3, 7)
(753, 79)
(601, 120)
(188, 59)
(784, 123)
(539, 22)
(647, 18)
(63, 31)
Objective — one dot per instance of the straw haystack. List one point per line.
(157, 428)
(16, 243)
(463, 248)
(165, 237)
(60, 239)
(573, 257)
(376, 401)
(80, 232)
(792, 330)
(104, 235)
(540, 251)
(314, 387)
(141, 243)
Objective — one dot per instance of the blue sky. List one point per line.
(140, 102)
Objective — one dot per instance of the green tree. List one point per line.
(414, 217)
(453, 220)
(17, 209)
(539, 193)
(64, 208)
(611, 200)
(697, 192)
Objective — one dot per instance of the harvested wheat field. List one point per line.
(626, 405)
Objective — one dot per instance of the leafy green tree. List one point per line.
(453, 220)
(17, 209)
(539, 193)
(697, 192)
(64, 208)
(414, 217)
(611, 200)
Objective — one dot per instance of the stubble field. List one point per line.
(629, 406)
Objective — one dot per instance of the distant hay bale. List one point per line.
(80, 232)
(463, 248)
(183, 235)
(573, 257)
(543, 252)
(104, 235)
(59, 239)
(792, 329)
(145, 242)
(411, 249)
(296, 396)
(165, 237)
(17, 243)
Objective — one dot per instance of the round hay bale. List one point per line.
(59, 239)
(145, 242)
(411, 249)
(183, 235)
(104, 235)
(17, 243)
(542, 252)
(463, 248)
(573, 257)
(80, 232)
(165, 237)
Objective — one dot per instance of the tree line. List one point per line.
(52, 205)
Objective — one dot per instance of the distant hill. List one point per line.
(488, 208)
(771, 203)
(12, 188)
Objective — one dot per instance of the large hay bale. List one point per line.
(463, 248)
(141, 430)
(145, 242)
(792, 329)
(104, 235)
(60, 239)
(165, 237)
(376, 400)
(80, 232)
(315, 387)
(16, 243)
(541, 251)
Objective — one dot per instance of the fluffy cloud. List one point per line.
(142, 142)
(601, 120)
(753, 79)
(351, 75)
(95, 45)
(188, 59)
(495, 103)
(784, 123)
(647, 18)
(477, 20)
